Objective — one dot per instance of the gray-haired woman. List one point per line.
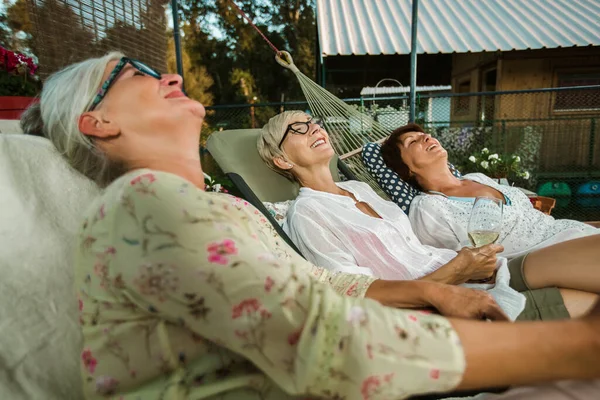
(188, 295)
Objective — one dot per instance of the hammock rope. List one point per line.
(349, 129)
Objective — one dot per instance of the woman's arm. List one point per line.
(182, 257)
(186, 258)
(503, 354)
(449, 300)
(471, 263)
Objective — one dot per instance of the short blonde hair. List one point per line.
(269, 138)
(66, 95)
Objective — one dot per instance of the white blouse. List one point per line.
(442, 222)
(332, 232)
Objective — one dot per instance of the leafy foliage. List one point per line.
(198, 81)
(240, 63)
(497, 166)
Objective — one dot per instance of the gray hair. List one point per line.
(66, 95)
(269, 138)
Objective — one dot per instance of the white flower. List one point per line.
(472, 159)
(525, 175)
(356, 316)
(493, 157)
(485, 164)
(517, 158)
(485, 150)
(106, 384)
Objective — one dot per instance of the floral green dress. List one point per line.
(185, 294)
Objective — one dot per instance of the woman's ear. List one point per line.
(92, 124)
(281, 163)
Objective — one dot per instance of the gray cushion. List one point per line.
(235, 151)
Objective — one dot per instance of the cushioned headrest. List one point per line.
(236, 152)
(41, 201)
(399, 191)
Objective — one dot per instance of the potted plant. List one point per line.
(19, 83)
(497, 167)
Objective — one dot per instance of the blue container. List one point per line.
(588, 194)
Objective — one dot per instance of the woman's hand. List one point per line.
(477, 263)
(471, 263)
(460, 302)
(449, 300)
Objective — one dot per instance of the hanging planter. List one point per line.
(11, 107)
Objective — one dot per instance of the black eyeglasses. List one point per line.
(300, 128)
(140, 66)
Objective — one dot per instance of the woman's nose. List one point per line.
(171, 80)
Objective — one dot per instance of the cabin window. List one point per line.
(462, 104)
(577, 100)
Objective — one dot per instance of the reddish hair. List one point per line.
(390, 151)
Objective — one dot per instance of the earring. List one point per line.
(289, 165)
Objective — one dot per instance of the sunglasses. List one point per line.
(140, 66)
(300, 128)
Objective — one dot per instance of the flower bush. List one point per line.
(497, 166)
(18, 74)
(216, 185)
(460, 143)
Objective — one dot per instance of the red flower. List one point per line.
(294, 337)
(80, 305)
(388, 378)
(241, 334)
(412, 318)
(352, 289)
(89, 361)
(369, 385)
(17, 62)
(217, 252)
(370, 351)
(247, 306)
(269, 282)
(149, 177)
(434, 373)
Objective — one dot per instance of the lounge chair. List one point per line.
(235, 152)
(40, 204)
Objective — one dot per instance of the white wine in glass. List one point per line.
(485, 222)
(481, 238)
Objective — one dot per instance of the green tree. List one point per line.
(289, 25)
(5, 34)
(198, 81)
(18, 21)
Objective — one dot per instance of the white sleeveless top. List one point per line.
(442, 221)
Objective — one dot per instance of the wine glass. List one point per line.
(485, 222)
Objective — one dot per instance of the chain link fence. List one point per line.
(554, 134)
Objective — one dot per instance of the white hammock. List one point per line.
(348, 128)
